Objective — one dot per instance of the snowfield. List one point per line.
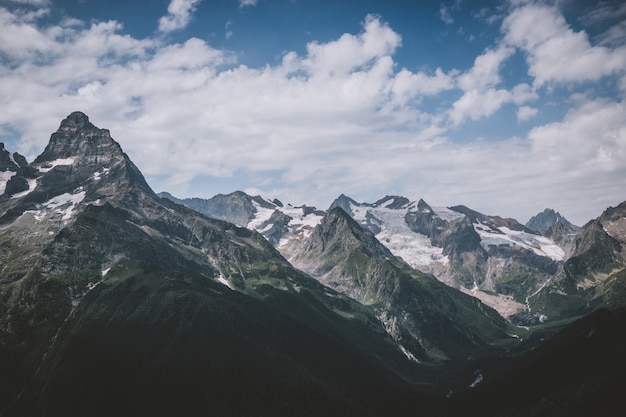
(300, 226)
(414, 248)
(542, 246)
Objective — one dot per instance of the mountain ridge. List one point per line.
(89, 235)
(498, 260)
(114, 301)
(421, 313)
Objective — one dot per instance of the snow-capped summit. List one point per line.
(284, 226)
(81, 165)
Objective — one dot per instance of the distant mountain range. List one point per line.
(509, 266)
(115, 301)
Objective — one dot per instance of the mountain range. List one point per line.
(511, 267)
(117, 301)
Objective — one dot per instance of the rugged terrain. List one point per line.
(109, 294)
(114, 301)
(505, 264)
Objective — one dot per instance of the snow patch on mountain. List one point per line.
(408, 354)
(222, 280)
(99, 174)
(5, 176)
(478, 380)
(300, 226)
(446, 214)
(62, 205)
(32, 183)
(47, 166)
(261, 216)
(65, 204)
(301, 221)
(542, 246)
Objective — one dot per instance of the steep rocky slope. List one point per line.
(109, 294)
(593, 276)
(430, 320)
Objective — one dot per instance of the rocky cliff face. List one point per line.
(237, 208)
(594, 274)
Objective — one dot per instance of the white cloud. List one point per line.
(481, 98)
(554, 52)
(351, 52)
(475, 104)
(407, 85)
(592, 135)
(526, 113)
(341, 117)
(486, 70)
(179, 13)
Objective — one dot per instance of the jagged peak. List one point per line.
(424, 206)
(11, 161)
(336, 219)
(78, 137)
(76, 120)
(543, 221)
(392, 202)
(338, 224)
(344, 202)
(344, 197)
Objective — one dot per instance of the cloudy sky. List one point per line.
(507, 107)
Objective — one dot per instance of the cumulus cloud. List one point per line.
(179, 13)
(475, 104)
(481, 97)
(554, 52)
(340, 117)
(486, 70)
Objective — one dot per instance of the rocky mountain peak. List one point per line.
(76, 120)
(336, 220)
(392, 202)
(81, 164)
(10, 161)
(422, 206)
(78, 137)
(344, 202)
(543, 221)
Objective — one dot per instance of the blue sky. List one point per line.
(507, 107)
